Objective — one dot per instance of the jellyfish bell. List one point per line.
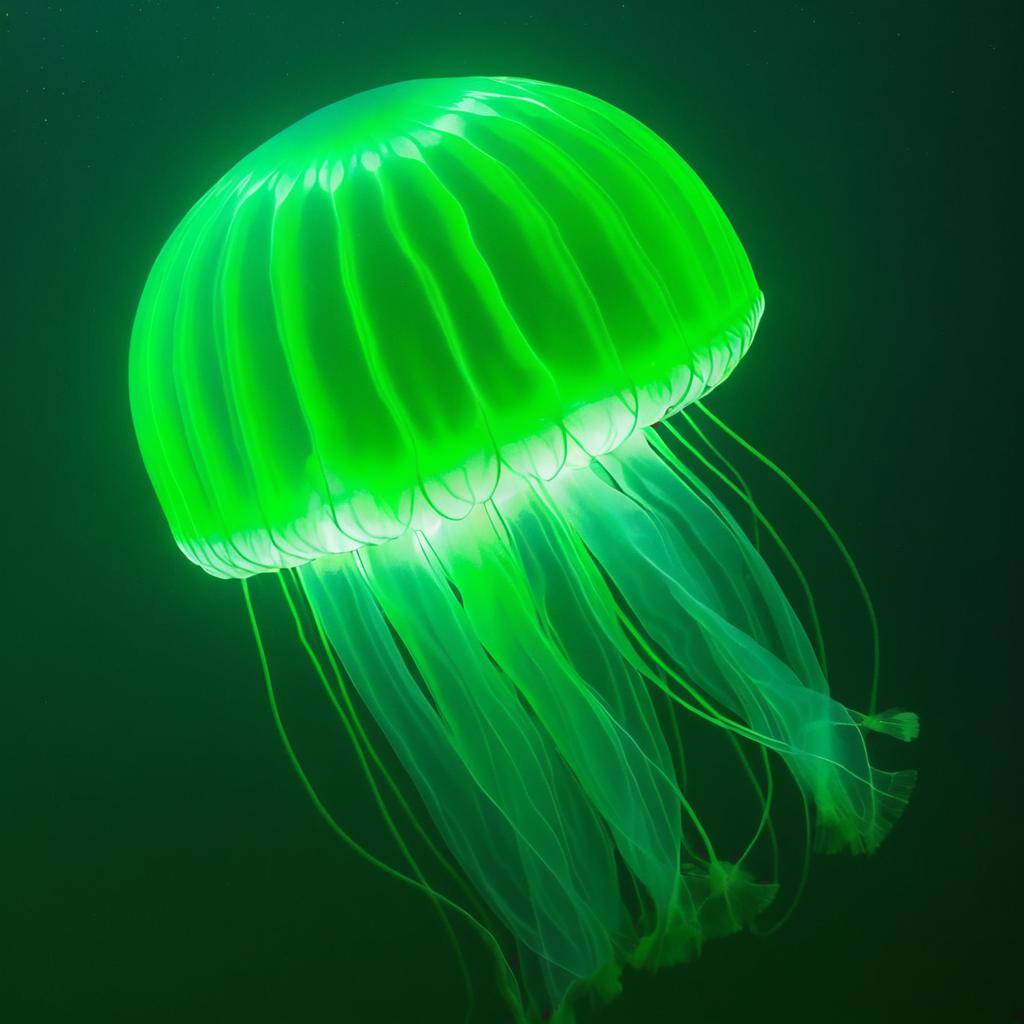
(410, 351)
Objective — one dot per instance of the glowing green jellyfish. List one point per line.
(411, 351)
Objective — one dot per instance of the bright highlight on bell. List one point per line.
(415, 347)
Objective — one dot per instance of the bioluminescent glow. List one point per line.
(435, 354)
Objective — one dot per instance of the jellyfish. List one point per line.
(435, 355)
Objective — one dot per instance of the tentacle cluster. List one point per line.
(521, 661)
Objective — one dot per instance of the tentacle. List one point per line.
(702, 592)
(506, 980)
(844, 552)
(507, 806)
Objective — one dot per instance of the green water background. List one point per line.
(159, 863)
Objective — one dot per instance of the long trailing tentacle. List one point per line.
(492, 781)
(506, 978)
(360, 747)
(345, 707)
(844, 552)
(746, 495)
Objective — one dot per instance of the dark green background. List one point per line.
(160, 863)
